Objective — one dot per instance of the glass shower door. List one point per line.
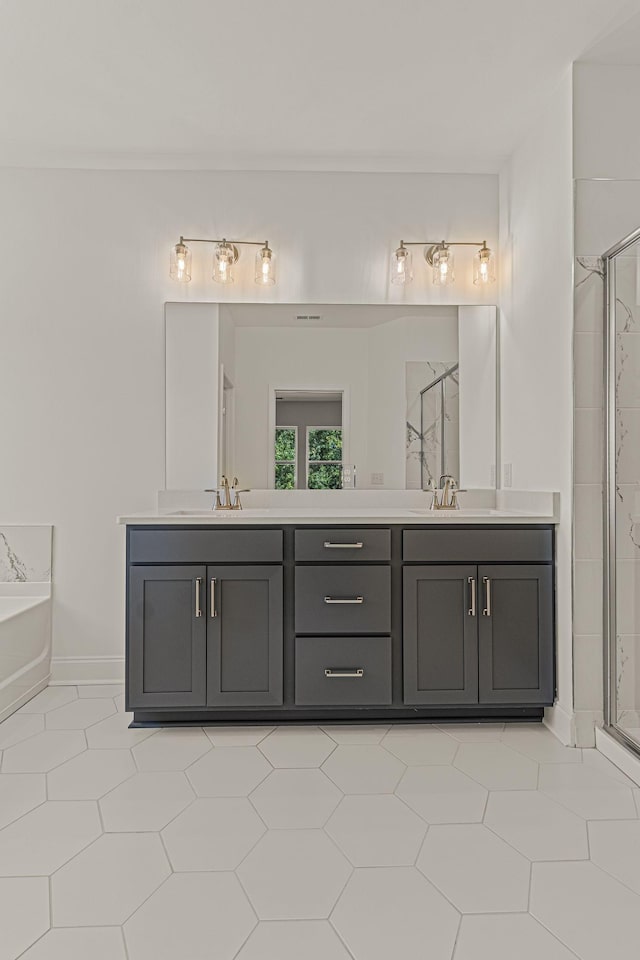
(622, 350)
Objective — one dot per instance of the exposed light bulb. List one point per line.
(224, 257)
(180, 263)
(442, 259)
(265, 273)
(401, 265)
(483, 266)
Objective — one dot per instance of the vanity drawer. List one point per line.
(343, 671)
(340, 544)
(477, 546)
(347, 599)
(205, 546)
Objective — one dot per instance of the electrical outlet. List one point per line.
(508, 474)
(377, 479)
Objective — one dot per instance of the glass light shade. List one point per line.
(401, 266)
(224, 258)
(180, 264)
(443, 272)
(484, 266)
(265, 267)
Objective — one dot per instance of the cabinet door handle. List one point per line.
(472, 609)
(198, 604)
(338, 674)
(344, 599)
(329, 545)
(214, 612)
(487, 597)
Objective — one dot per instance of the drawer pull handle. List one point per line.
(472, 608)
(198, 610)
(487, 592)
(329, 545)
(338, 674)
(214, 612)
(344, 599)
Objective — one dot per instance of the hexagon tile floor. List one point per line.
(322, 843)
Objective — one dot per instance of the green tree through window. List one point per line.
(324, 458)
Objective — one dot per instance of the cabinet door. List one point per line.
(244, 636)
(516, 634)
(167, 642)
(440, 635)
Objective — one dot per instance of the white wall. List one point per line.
(192, 337)
(84, 279)
(281, 358)
(536, 339)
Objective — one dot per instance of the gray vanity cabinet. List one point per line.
(244, 636)
(167, 646)
(515, 633)
(440, 637)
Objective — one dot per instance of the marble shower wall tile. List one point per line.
(418, 375)
(25, 553)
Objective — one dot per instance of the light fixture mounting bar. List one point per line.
(235, 243)
(447, 243)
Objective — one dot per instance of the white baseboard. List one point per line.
(72, 670)
(622, 758)
(561, 724)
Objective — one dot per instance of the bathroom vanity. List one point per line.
(272, 616)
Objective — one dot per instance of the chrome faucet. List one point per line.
(448, 490)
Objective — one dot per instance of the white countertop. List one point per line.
(276, 516)
(275, 508)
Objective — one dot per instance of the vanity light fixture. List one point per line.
(225, 256)
(440, 258)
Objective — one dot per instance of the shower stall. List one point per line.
(622, 491)
(440, 427)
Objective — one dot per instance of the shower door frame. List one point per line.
(609, 502)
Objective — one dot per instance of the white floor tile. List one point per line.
(394, 912)
(443, 795)
(43, 752)
(80, 943)
(537, 826)
(473, 732)
(294, 875)
(120, 703)
(598, 761)
(105, 883)
(420, 745)
(146, 801)
(79, 715)
(507, 937)
(589, 911)
(49, 699)
(212, 834)
(194, 916)
(93, 691)
(497, 767)
(19, 793)
(294, 940)
(536, 741)
(615, 847)
(586, 791)
(355, 733)
(364, 769)
(171, 749)
(114, 733)
(24, 913)
(237, 736)
(18, 727)
(377, 831)
(297, 746)
(228, 772)
(476, 870)
(47, 837)
(296, 799)
(90, 775)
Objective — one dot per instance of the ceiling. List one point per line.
(283, 84)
